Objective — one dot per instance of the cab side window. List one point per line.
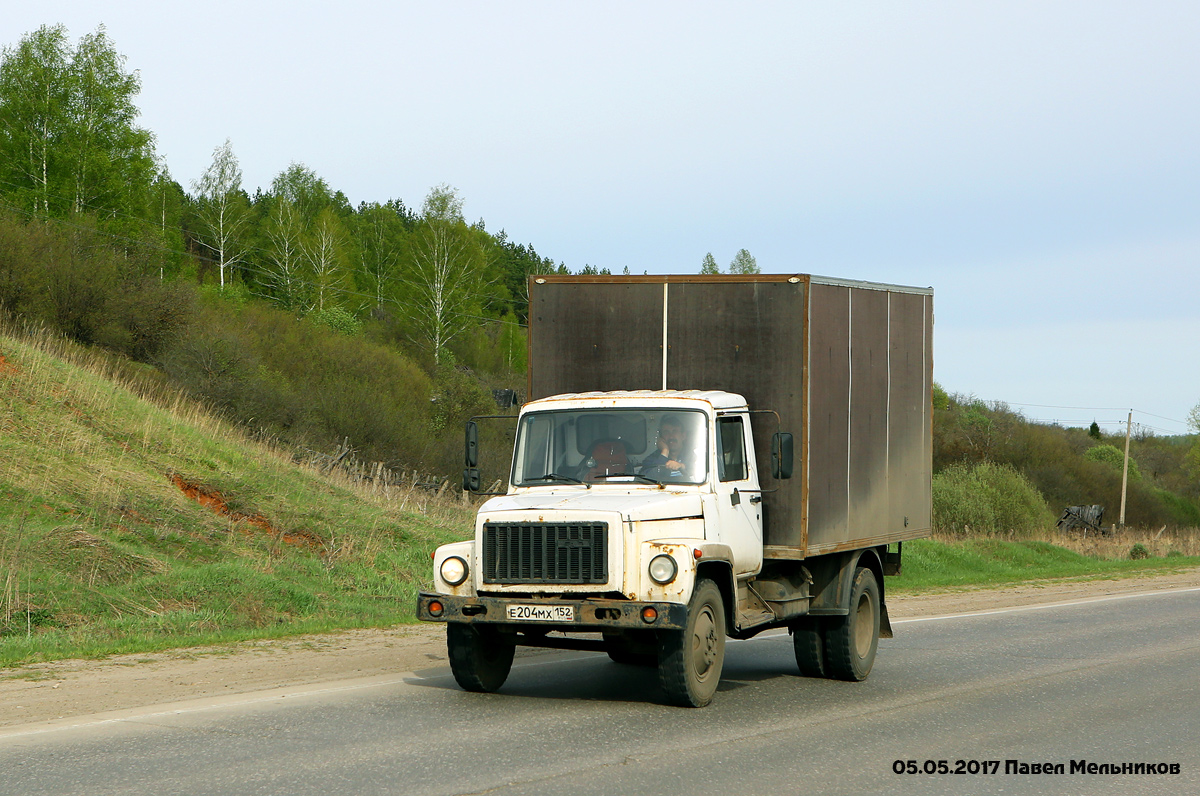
(731, 449)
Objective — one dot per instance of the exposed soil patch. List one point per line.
(215, 501)
(6, 366)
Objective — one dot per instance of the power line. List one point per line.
(1084, 408)
(1101, 409)
(1160, 417)
(1119, 423)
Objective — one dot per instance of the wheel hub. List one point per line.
(704, 643)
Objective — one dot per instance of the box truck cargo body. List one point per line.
(700, 457)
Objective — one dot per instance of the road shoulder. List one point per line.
(73, 688)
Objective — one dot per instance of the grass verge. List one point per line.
(933, 564)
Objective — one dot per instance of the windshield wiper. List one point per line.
(645, 478)
(558, 477)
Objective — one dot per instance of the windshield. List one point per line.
(611, 445)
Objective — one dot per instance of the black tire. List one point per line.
(480, 656)
(808, 639)
(690, 660)
(851, 643)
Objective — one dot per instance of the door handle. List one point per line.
(756, 498)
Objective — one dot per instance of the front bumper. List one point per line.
(590, 614)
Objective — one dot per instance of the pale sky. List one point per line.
(1036, 163)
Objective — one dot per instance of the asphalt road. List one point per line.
(1109, 681)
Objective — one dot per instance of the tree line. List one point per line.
(71, 148)
(982, 447)
(286, 308)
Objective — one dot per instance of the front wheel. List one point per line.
(850, 644)
(690, 660)
(480, 656)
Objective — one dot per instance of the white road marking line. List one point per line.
(1012, 610)
(185, 707)
(1044, 606)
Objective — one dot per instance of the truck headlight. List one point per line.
(454, 570)
(663, 569)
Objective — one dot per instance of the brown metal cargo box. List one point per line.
(847, 365)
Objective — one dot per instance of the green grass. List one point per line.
(932, 565)
(102, 553)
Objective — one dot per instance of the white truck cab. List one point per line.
(617, 501)
(591, 469)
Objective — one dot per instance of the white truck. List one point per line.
(702, 458)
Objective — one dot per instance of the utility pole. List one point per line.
(1125, 467)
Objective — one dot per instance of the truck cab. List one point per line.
(593, 497)
(619, 504)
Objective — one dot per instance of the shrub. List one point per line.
(338, 319)
(1184, 512)
(986, 498)
(146, 317)
(1139, 551)
(941, 400)
(20, 270)
(1111, 455)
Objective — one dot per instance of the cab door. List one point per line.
(738, 503)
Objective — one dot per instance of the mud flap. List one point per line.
(885, 625)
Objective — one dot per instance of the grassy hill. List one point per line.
(131, 524)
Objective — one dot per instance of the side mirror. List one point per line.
(471, 479)
(781, 455)
(472, 445)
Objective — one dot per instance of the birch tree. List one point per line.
(743, 263)
(309, 244)
(285, 255)
(325, 249)
(446, 268)
(380, 232)
(68, 138)
(34, 102)
(222, 208)
(111, 158)
(165, 206)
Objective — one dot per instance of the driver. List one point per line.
(671, 447)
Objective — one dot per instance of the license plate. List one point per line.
(541, 613)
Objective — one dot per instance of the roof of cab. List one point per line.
(718, 399)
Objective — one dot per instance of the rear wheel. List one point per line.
(690, 660)
(850, 644)
(480, 656)
(808, 639)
